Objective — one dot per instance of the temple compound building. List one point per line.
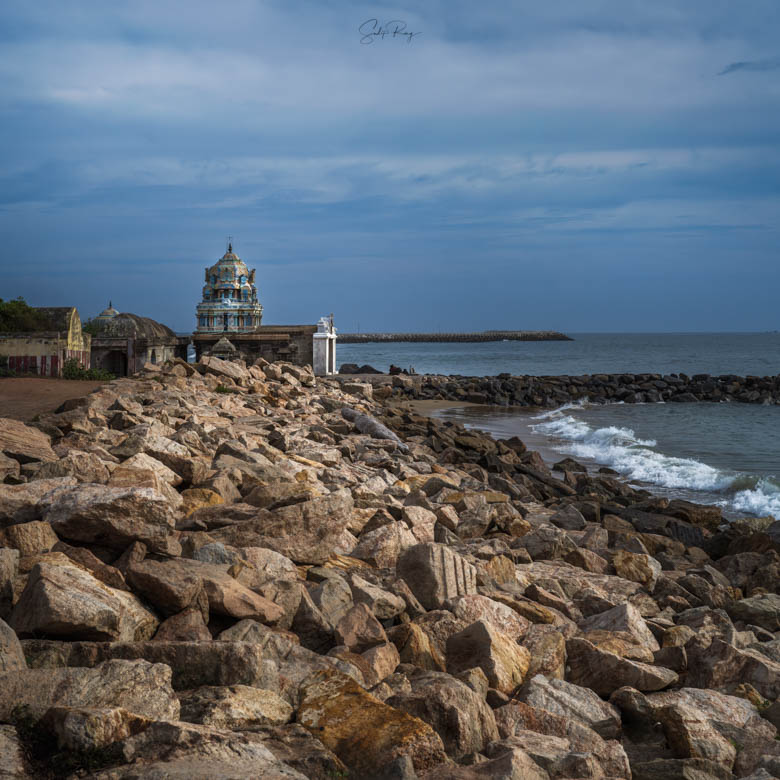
(124, 342)
(229, 323)
(45, 350)
(229, 298)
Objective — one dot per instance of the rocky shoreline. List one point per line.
(228, 571)
(554, 391)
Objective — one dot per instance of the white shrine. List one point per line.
(324, 348)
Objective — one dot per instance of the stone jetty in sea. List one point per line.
(222, 570)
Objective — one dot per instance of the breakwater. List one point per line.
(553, 391)
(378, 589)
(485, 335)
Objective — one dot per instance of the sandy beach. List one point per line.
(24, 397)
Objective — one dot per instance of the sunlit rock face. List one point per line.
(229, 298)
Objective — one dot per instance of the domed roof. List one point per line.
(128, 325)
(107, 313)
(232, 260)
(223, 346)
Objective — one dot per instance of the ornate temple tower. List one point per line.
(229, 302)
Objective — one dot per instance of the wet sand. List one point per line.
(23, 397)
(428, 408)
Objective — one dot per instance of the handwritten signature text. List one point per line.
(371, 29)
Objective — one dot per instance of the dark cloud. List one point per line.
(752, 65)
(563, 163)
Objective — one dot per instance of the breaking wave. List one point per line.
(638, 460)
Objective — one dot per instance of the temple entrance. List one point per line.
(116, 362)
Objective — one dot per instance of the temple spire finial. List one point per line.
(230, 244)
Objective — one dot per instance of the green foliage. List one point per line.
(17, 317)
(72, 369)
(91, 327)
(4, 370)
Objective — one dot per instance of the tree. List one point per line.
(17, 317)
(91, 327)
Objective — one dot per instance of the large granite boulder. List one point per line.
(24, 443)
(66, 601)
(436, 573)
(138, 686)
(11, 653)
(112, 517)
(574, 703)
(366, 734)
(605, 672)
(504, 662)
(20, 503)
(308, 532)
(459, 715)
(234, 707)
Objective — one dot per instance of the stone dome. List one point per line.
(108, 313)
(128, 325)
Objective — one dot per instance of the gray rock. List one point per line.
(605, 672)
(504, 662)
(574, 702)
(138, 686)
(763, 610)
(67, 601)
(11, 653)
(234, 707)
(9, 566)
(113, 517)
(12, 763)
(369, 425)
(569, 518)
(307, 532)
(460, 716)
(436, 573)
(381, 602)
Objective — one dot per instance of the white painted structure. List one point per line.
(324, 358)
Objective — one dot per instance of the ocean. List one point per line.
(589, 353)
(727, 454)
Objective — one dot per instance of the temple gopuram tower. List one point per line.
(229, 302)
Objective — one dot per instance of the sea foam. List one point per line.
(636, 459)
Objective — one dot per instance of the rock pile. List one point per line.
(222, 571)
(553, 391)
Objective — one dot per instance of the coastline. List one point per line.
(388, 589)
(695, 452)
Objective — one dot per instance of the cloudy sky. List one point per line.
(584, 165)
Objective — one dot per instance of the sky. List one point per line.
(578, 165)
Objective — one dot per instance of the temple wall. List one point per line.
(42, 354)
(125, 357)
(292, 343)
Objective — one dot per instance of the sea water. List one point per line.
(588, 353)
(727, 454)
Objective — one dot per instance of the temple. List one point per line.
(229, 302)
(229, 323)
(56, 338)
(124, 343)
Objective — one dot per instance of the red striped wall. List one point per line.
(46, 365)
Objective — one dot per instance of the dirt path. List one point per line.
(24, 397)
